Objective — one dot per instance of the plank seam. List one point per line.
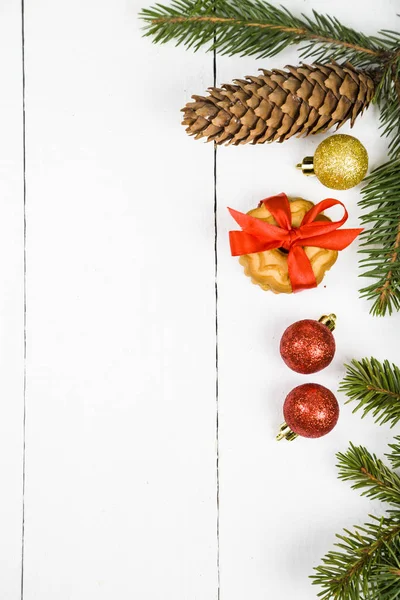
(216, 341)
(24, 295)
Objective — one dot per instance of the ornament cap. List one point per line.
(329, 321)
(286, 433)
(307, 166)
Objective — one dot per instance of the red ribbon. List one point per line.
(258, 236)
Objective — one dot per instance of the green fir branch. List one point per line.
(365, 562)
(394, 454)
(380, 242)
(388, 584)
(386, 581)
(369, 474)
(387, 96)
(359, 567)
(258, 28)
(375, 387)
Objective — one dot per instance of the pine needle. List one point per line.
(375, 387)
(369, 474)
(394, 455)
(258, 28)
(365, 564)
(362, 567)
(380, 241)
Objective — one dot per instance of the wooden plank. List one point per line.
(11, 299)
(121, 478)
(281, 504)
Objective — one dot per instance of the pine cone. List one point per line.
(279, 104)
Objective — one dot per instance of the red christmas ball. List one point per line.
(307, 346)
(311, 410)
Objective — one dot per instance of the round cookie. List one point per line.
(269, 269)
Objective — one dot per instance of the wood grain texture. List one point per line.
(281, 503)
(122, 388)
(11, 300)
(120, 479)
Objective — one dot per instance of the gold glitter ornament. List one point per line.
(340, 162)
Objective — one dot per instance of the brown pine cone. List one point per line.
(279, 104)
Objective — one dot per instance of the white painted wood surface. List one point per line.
(281, 504)
(120, 469)
(11, 300)
(121, 479)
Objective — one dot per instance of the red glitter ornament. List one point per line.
(310, 410)
(308, 346)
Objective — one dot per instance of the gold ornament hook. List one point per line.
(307, 166)
(329, 321)
(286, 433)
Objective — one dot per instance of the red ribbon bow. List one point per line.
(258, 236)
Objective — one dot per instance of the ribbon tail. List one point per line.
(300, 270)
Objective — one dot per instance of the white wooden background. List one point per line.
(118, 435)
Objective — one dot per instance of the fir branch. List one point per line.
(394, 455)
(258, 28)
(365, 565)
(369, 474)
(375, 387)
(386, 580)
(359, 568)
(380, 241)
(388, 97)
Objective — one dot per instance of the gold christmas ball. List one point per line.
(340, 162)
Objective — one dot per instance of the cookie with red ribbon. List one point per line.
(287, 245)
